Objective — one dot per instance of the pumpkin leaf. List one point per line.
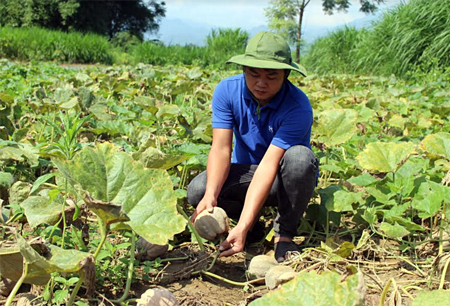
(42, 260)
(437, 145)
(40, 210)
(336, 126)
(314, 289)
(120, 189)
(432, 298)
(393, 231)
(385, 156)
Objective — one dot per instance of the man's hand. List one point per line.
(208, 202)
(234, 243)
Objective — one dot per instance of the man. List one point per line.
(272, 162)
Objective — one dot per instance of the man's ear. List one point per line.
(287, 72)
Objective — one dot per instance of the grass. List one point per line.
(28, 44)
(410, 36)
(46, 45)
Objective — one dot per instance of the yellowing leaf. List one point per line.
(319, 290)
(397, 121)
(432, 298)
(437, 144)
(121, 189)
(384, 156)
(393, 231)
(336, 126)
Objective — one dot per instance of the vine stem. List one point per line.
(243, 284)
(191, 227)
(444, 272)
(385, 291)
(441, 230)
(75, 292)
(206, 272)
(130, 270)
(103, 233)
(18, 284)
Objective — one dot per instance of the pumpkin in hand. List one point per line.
(211, 226)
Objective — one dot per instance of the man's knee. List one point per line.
(196, 189)
(300, 160)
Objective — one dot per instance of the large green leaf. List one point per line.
(120, 187)
(20, 152)
(42, 260)
(319, 290)
(429, 198)
(437, 144)
(343, 200)
(42, 209)
(432, 298)
(393, 231)
(384, 156)
(336, 126)
(19, 192)
(154, 158)
(6, 179)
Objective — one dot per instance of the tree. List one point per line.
(102, 17)
(286, 16)
(112, 17)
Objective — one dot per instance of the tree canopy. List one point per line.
(286, 16)
(102, 17)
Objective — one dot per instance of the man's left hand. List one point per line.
(234, 243)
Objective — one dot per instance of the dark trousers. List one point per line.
(290, 192)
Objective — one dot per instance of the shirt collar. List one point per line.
(276, 101)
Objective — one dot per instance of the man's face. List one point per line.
(264, 84)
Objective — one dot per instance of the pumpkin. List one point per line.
(278, 275)
(157, 297)
(260, 264)
(149, 251)
(212, 225)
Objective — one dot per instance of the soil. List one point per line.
(382, 265)
(196, 289)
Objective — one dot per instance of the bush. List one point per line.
(46, 45)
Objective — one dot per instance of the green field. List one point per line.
(100, 139)
(382, 144)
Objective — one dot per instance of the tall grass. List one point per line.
(221, 44)
(334, 53)
(159, 54)
(47, 45)
(407, 37)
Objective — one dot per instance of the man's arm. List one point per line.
(217, 168)
(257, 194)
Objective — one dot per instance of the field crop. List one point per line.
(92, 157)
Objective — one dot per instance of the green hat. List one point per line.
(267, 50)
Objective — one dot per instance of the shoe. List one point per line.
(256, 234)
(283, 250)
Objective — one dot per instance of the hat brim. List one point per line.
(265, 64)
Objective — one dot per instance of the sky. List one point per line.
(249, 14)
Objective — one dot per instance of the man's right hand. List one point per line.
(208, 203)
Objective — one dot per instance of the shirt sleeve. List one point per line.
(222, 108)
(295, 129)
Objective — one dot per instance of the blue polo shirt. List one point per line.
(284, 122)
